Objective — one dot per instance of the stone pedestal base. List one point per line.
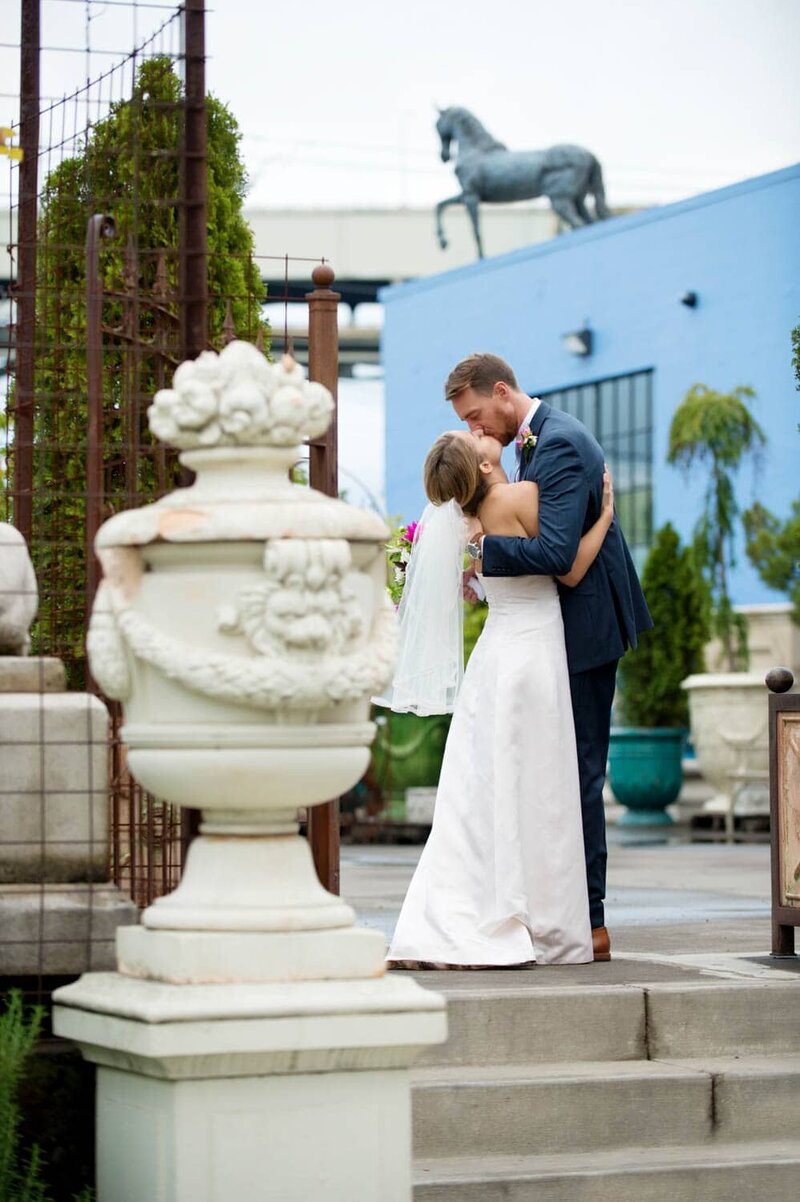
(31, 674)
(60, 930)
(295, 1091)
(53, 783)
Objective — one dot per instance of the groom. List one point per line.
(604, 613)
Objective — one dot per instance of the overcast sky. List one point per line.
(336, 100)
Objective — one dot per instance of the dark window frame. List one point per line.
(618, 411)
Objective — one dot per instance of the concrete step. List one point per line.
(706, 1173)
(523, 1110)
(752, 1097)
(516, 1026)
(624, 1022)
(537, 1109)
(722, 1019)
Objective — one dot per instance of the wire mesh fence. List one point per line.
(127, 252)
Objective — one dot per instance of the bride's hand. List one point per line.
(607, 506)
(467, 581)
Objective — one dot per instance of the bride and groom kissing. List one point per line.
(514, 869)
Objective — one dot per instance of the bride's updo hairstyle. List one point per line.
(452, 472)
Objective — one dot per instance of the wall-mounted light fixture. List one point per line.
(578, 342)
(690, 300)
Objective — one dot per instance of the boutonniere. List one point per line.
(526, 439)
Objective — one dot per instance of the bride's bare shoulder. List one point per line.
(511, 509)
(511, 497)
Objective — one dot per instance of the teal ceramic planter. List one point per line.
(645, 772)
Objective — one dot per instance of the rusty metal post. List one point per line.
(22, 481)
(193, 235)
(99, 226)
(323, 366)
(784, 798)
(193, 261)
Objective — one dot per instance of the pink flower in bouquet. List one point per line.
(411, 531)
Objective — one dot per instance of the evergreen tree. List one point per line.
(129, 168)
(650, 677)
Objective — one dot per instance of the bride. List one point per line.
(501, 880)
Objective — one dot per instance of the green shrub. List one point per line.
(773, 548)
(650, 677)
(20, 1169)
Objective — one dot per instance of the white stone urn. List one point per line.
(243, 623)
(728, 716)
(250, 1043)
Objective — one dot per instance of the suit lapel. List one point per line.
(538, 420)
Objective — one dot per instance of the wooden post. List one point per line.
(323, 366)
(784, 777)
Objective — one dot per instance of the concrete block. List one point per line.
(60, 930)
(53, 787)
(420, 803)
(248, 1138)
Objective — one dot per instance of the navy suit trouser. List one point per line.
(592, 695)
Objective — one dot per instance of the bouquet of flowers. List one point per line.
(398, 551)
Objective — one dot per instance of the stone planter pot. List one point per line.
(645, 772)
(728, 717)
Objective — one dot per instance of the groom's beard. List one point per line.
(509, 436)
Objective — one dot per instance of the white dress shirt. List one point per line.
(526, 422)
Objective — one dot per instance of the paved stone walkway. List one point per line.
(676, 911)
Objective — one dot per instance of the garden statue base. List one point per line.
(54, 773)
(251, 1034)
(58, 911)
(61, 930)
(294, 1090)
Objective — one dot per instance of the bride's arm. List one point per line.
(592, 541)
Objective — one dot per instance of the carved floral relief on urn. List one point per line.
(243, 622)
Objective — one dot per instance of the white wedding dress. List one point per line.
(502, 878)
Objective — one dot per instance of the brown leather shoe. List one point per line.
(601, 943)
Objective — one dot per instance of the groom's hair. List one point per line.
(452, 473)
(480, 372)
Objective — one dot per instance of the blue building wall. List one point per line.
(738, 248)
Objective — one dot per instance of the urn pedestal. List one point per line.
(249, 1045)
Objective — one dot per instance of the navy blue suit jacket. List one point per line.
(605, 612)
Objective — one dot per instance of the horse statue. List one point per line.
(487, 170)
